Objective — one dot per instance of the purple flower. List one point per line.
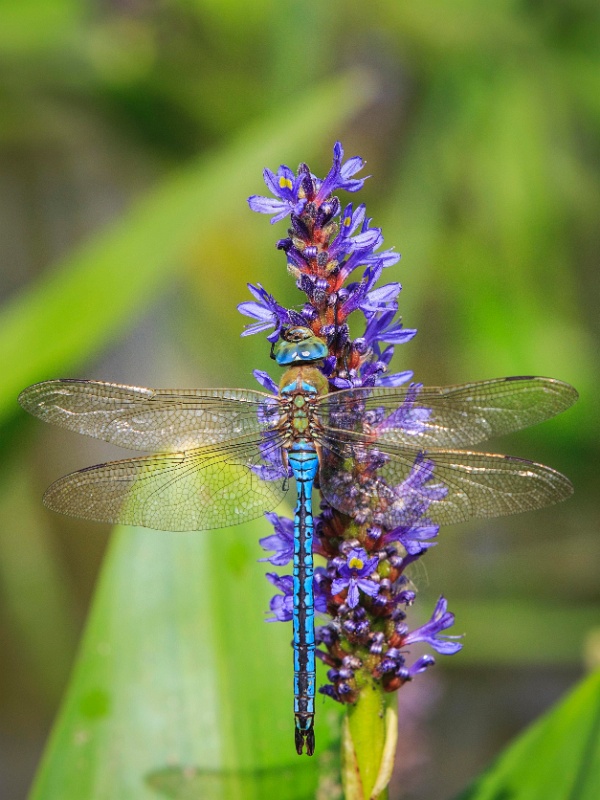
(363, 250)
(381, 299)
(271, 466)
(320, 590)
(413, 536)
(282, 541)
(268, 313)
(352, 380)
(408, 417)
(286, 188)
(410, 500)
(348, 241)
(430, 632)
(353, 576)
(292, 191)
(374, 372)
(351, 220)
(382, 328)
(420, 665)
(359, 295)
(272, 469)
(340, 175)
(266, 381)
(418, 481)
(394, 378)
(282, 605)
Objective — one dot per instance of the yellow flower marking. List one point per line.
(356, 563)
(285, 183)
(347, 222)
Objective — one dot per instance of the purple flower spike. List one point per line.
(353, 576)
(379, 528)
(440, 621)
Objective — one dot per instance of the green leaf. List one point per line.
(557, 758)
(180, 685)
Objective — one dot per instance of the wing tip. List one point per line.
(27, 397)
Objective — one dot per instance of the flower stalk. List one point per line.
(369, 739)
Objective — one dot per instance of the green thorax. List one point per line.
(299, 384)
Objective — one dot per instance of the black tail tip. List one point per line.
(307, 738)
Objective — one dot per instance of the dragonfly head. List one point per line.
(298, 345)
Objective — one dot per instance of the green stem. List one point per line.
(369, 738)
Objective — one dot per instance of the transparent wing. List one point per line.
(451, 416)
(201, 489)
(151, 419)
(446, 486)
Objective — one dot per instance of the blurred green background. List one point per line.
(131, 133)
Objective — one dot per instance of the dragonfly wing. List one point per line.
(445, 486)
(201, 489)
(451, 416)
(151, 419)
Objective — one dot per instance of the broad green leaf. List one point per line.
(181, 689)
(557, 758)
(99, 291)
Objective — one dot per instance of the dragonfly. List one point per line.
(221, 457)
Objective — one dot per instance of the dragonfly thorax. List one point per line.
(299, 388)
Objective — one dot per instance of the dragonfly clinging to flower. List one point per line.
(380, 455)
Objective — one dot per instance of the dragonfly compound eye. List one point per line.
(299, 345)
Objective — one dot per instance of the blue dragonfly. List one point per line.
(224, 456)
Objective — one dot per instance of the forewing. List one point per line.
(151, 419)
(449, 485)
(201, 489)
(451, 416)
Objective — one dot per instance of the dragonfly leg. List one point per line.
(319, 452)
